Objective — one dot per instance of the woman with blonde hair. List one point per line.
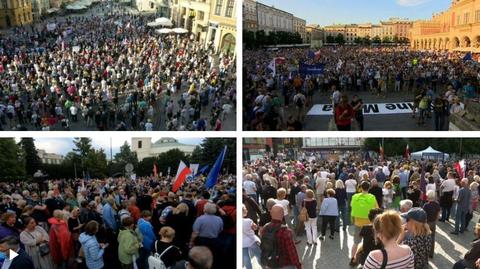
(419, 239)
(179, 221)
(387, 227)
(310, 204)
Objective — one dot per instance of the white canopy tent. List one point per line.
(429, 154)
(154, 24)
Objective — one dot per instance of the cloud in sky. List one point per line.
(411, 3)
(63, 145)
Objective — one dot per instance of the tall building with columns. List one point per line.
(455, 29)
(210, 21)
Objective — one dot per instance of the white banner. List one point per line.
(368, 109)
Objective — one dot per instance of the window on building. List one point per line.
(458, 19)
(466, 18)
(139, 144)
(477, 15)
(201, 15)
(230, 6)
(218, 7)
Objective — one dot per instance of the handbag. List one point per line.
(43, 248)
(303, 216)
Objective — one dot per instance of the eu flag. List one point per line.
(213, 175)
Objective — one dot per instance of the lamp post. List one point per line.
(191, 17)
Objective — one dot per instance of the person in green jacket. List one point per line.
(128, 244)
(361, 205)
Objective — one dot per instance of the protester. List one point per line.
(250, 241)
(432, 209)
(369, 241)
(170, 254)
(329, 213)
(310, 204)
(470, 260)
(91, 248)
(387, 227)
(417, 236)
(463, 207)
(22, 261)
(36, 239)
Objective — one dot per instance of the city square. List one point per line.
(117, 65)
(390, 67)
(402, 173)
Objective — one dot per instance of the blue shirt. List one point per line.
(403, 179)
(209, 226)
(109, 217)
(147, 232)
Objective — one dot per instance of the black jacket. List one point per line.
(22, 261)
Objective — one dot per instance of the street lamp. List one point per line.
(191, 16)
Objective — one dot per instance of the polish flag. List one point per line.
(182, 173)
(406, 154)
(460, 167)
(155, 170)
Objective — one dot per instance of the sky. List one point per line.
(327, 12)
(63, 145)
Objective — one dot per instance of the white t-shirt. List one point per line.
(320, 184)
(350, 185)
(430, 186)
(250, 187)
(248, 235)
(283, 203)
(448, 185)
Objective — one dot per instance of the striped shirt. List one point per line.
(406, 262)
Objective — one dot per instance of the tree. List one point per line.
(261, 38)
(126, 155)
(170, 159)
(145, 167)
(211, 148)
(396, 40)
(358, 40)
(376, 40)
(330, 39)
(386, 40)
(249, 39)
(12, 165)
(96, 164)
(340, 39)
(30, 154)
(366, 40)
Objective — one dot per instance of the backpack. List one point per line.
(269, 246)
(155, 260)
(299, 101)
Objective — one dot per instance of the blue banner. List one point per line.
(311, 69)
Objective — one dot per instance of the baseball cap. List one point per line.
(416, 213)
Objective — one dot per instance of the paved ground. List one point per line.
(335, 253)
(229, 124)
(392, 122)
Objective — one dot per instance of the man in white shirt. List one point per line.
(446, 199)
(320, 184)
(250, 187)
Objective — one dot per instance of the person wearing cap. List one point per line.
(472, 257)
(416, 235)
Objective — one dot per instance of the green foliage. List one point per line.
(145, 167)
(12, 164)
(30, 155)
(396, 146)
(330, 39)
(259, 39)
(386, 40)
(376, 40)
(170, 159)
(125, 156)
(396, 39)
(209, 150)
(358, 40)
(340, 39)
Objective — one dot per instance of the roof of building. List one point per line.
(169, 142)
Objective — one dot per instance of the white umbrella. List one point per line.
(180, 30)
(164, 21)
(153, 24)
(164, 31)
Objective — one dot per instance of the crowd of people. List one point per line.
(109, 71)
(118, 223)
(437, 83)
(390, 208)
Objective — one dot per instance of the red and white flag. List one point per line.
(406, 154)
(182, 173)
(155, 170)
(460, 167)
(317, 55)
